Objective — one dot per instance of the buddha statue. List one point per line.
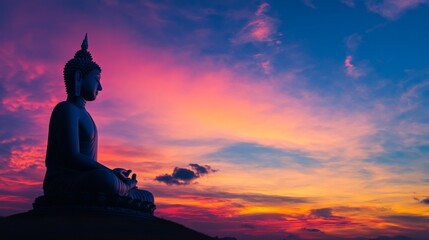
(71, 158)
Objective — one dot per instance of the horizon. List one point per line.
(298, 119)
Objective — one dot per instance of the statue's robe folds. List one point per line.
(72, 144)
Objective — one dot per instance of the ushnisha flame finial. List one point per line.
(84, 45)
(83, 52)
(82, 61)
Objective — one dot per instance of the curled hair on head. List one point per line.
(83, 62)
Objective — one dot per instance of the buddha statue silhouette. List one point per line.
(71, 157)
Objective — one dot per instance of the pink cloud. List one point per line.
(392, 9)
(351, 69)
(262, 9)
(22, 102)
(348, 65)
(264, 63)
(266, 66)
(25, 156)
(11, 198)
(261, 28)
(176, 98)
(413, 92)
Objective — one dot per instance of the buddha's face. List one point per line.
(91, 85)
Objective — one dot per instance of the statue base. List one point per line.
(91, 221)
(93, 200)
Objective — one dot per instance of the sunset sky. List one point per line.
(286, 119)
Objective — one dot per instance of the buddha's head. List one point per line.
(82, 74)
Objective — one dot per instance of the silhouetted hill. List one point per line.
(393, 238)
(92, 223)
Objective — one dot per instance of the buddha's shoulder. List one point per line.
(64, 107)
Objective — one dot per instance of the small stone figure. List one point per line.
(71, 158)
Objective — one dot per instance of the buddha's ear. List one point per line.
(77, 82)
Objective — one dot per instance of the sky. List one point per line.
(297, 119)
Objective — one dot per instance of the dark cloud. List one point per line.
(411, 219)
(184, 176)
(261, 217)
(349, 209)
(314, 233)
(425, 201)
(248, 226)
(292, 237)
(168, 179)
(311, 230)
(399, 237)
(321, 212)
(324, 216)
(202, 169)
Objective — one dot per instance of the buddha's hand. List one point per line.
(131, 182)
(122, 173)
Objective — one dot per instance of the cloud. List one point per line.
(414, 92)
(321, 212)
(264, 62)
(291, 236)
(201, 170)
(353, 41)
(168, 179)
(313, 233)
(184, 176)
(262, 9)
(213, 220)
(248, 226)
(19, 188)
(266, 66)
(260, 198)
(249, 197)
(425, 201)
(352, 70)
(413, 221)
(261, 28)
(249, 153)
(392, 9)
(314, 230)
(398, 237)
(200, 211)
(349, 3)
(309, 3)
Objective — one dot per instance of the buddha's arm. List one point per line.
(67, 128)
